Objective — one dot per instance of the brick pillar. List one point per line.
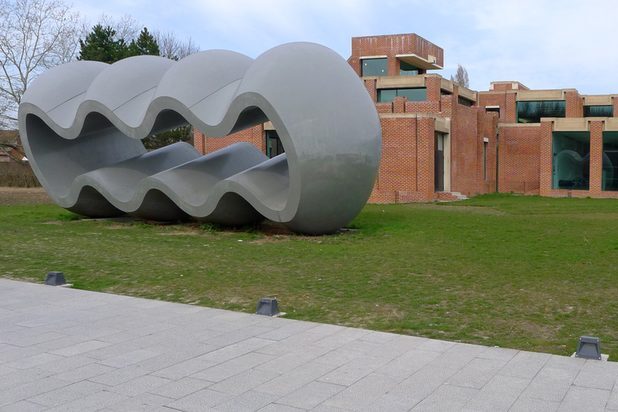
(433, 88)
(370, 84)
(574, 104)
(355, 63)
(596, 157)
(399, 104)
(425, 157)
(199, 141)
(615, 104)
(393, 66)
(546, 158)
(510, 108)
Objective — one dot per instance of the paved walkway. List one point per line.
(70, 350)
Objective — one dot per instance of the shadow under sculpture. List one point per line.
(81, 125)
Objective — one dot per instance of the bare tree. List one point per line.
(34, 36)
(126, 27)
(461, 77)
(172, 47)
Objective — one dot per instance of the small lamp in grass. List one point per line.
(55, 278)
(268, 307)
(589, 347)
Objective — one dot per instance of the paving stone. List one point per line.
(118, 376)
(599, 375)
(525, 404)
(29, 389)
(145, 402)
(476, 373)
(85, 372)
(80, 348)
(363, 392)
(23, 406)
(551, 384)
(612, 402)
(96, 401)
(185, 368)
(248, 401)
(447, 398)
(232, 367)
(244, 381)
(525, 364)
(407, 364)
(140, 385)
(584, 399)
(200, 400)
(294, 379)
(499, 394)
(180, 388)
(68, 393)
(277, 407)
(311, 395)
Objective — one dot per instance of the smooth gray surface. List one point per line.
(64, 349)
(81, 125)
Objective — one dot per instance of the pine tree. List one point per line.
(145, 44)
(100, 45)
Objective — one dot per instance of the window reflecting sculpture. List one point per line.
(81, 125)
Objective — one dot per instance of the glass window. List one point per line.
(406, 69)
(417, 94)
(273, 144)
(374, 67)
(531, 112)
(571, 160)
(599, 111)
(610, 161)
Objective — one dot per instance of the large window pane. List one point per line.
(610, 161)
(406, 69)
(571, 160)
(531, 112)
(273, 144)
(417, 94)
(374, 67)
(599, 111)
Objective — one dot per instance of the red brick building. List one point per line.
(440, 140)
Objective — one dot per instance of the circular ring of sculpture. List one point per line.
(81, 125)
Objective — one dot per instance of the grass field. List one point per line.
(522, 272)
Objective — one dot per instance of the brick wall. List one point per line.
(253, 135)
(520, 158)
(390, 46)
(574, 104)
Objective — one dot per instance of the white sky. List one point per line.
(542, 43)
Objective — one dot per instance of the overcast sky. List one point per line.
(541, 43)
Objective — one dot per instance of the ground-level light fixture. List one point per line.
(268, 307)
(589, 347)
(55, 279)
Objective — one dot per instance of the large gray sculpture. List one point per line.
(81, 125)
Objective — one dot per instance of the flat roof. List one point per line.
(418, 61)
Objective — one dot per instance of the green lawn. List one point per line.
(522, 272)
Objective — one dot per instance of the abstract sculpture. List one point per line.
(81, 125)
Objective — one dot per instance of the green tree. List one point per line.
(145, 44)
(101, 45)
